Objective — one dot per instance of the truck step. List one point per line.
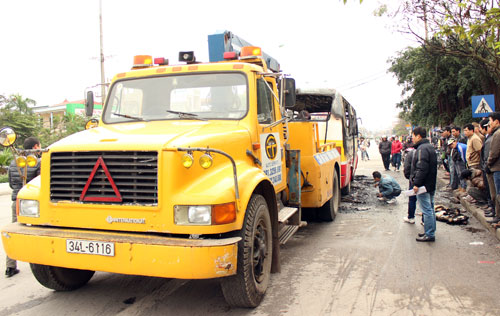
(285, 213)
(287, 232)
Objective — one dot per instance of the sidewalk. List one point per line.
(5, 189)
(472, 209)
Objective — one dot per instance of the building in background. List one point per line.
(49, 112)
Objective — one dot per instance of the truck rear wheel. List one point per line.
(329, 210)
(60, 279)
(248, 286)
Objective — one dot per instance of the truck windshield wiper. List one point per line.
(129, 116)
(187, 115)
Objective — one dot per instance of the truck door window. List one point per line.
(265, 113)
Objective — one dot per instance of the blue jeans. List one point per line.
(396, 160)
(451, 165)
(457, 168)
(412, 206)
(426, 202)
(496, 178)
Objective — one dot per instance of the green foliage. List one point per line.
(438, 88)
(5, 159)
(380, 11)
(4, 178)
(472, 26)
(400, 128)
(15, 112)
(65, 126)
(464, 116)
(17, 102)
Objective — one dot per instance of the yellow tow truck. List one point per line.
(194, 171)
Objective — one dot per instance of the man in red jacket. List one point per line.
(396, 148)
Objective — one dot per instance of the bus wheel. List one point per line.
(60, 279)
(347, 189)
(329, 210)
(248, 286)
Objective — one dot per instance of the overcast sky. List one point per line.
(50, 48)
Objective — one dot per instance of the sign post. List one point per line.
(483, 105)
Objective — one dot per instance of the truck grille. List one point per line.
(133, 173)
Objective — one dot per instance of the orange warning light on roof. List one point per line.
(142, 61)
(250, 52)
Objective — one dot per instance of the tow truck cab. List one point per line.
(193, 171)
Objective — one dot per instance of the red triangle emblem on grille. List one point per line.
(117, 198)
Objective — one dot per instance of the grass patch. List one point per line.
(4, 178)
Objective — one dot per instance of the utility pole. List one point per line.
(103, 84)
(425, 21)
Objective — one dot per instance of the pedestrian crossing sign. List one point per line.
(483, 105)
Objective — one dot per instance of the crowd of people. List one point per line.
(472, 161)
(420, 168)
(391, 151)
(470, 156)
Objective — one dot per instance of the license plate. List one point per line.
(90, 247)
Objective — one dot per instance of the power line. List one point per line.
(365, 82)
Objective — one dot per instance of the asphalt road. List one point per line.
(367, 262)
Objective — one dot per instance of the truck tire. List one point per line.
(329, 210)
(60, 279)
(248, 286)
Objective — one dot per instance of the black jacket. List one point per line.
(15, 181)
(408, 163)
(485, 151)
(424, 166)
(385, 147)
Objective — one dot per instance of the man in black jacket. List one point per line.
(385, 150)
(412, 200)
(423, 173)
(16, 183)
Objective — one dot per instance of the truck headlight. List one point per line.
(217, 214)
(29, 208)
(193, 214)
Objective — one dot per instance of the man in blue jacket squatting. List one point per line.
(388, 187)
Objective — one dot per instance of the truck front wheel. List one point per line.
(248, 286)
(329, 210)
(60, 279)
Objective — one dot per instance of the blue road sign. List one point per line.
(483, 105)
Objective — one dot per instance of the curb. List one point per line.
(479, 215)
(472, 209)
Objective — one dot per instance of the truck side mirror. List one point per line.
(289, 93)
(89, 103)
(7, 137)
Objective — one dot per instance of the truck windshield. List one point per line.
(196, 96)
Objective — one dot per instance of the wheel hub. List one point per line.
(259, 251)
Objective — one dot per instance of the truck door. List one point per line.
(271, 138)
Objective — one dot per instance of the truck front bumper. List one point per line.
(136, 254)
